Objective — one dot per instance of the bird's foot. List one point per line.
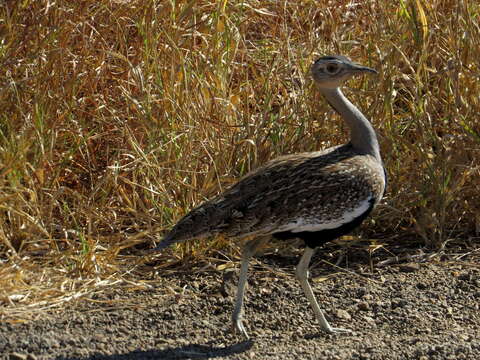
(237, 327)
(332, 330)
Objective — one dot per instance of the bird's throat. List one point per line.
(363, 136)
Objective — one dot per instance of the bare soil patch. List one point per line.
(405, 311)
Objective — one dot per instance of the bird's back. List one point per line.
(290, 194)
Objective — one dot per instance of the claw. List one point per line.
(237, 327)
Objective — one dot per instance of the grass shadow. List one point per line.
(192, 351)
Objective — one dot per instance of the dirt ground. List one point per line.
(400, 311)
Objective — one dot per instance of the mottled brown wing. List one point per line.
(314, 190)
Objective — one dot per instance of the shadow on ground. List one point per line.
(192, 351)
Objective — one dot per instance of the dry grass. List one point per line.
(117, 117)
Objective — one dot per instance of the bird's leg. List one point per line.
(302, 276)
(248, 251)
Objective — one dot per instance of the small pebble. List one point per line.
(410, 267)
(364, 306)
(369, 320)
(342, 314)
(17, 356)
(421, 286)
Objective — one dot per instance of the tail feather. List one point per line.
(199, 223)
(176, 236)
(163, 245)
(166, 242)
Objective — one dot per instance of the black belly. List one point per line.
(314, 239)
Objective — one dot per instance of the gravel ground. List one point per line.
(405, 311)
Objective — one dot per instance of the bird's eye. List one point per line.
(332, 68)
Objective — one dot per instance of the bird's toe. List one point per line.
(237, 327)
(339, 331)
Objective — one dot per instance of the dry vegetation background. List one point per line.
(117, 117)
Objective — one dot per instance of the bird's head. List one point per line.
(332, 71)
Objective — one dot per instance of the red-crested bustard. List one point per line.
(316, 196)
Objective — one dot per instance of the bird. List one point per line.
(314, 196)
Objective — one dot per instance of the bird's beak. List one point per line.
(362, 69)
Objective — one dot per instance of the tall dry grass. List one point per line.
(117, 117)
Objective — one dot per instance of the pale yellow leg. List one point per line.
(302, 276)
(237, 317)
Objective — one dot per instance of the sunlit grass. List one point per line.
(117, 117)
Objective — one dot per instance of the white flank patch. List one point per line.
(302, 224)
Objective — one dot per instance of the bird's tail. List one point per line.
(188, 228)
(176, 235)
(166, 242)
(161, 246)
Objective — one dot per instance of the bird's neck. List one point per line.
(363, 137)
